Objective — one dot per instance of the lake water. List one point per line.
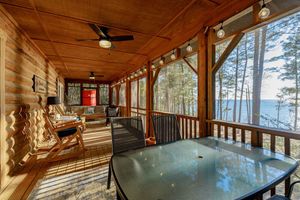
(268, 116)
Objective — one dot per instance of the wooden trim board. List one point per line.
(2, 101)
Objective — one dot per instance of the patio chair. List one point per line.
(63, 133)
(127, 134)
(288, 195)
(111, 111)
(166, 128)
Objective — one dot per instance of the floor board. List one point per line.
(97, 139)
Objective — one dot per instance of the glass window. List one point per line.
(134, 94)
(259, 83)
(74, 94)
(103, 94)
(176, 89)
(122, 95)
(114, 96)
(142, 93)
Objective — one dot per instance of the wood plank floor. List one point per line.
(97, 139)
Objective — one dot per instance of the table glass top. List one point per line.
(205, 168)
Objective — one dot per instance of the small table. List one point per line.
(206, 168)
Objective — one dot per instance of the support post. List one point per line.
(149, 99)
(202, 80)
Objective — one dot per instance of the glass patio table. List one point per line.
(207, 168)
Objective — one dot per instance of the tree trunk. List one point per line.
(297, 93)
(236, 84)
(258, 67)
(243, 80)
(220, 94)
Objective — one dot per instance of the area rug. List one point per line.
(87, 184)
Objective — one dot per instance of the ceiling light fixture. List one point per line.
(221, 32)
(153, 66)
(105, 43)
(264, 11)
(92, 76)
(145, 69)
(173, 56)
(161, 61)
(189, 48)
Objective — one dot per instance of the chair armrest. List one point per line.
(289, 194)
(64, 126)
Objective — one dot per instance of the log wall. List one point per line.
(21, 118)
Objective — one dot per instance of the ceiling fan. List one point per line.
(93, 76)
(105, 40)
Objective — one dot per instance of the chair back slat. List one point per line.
(127, 134)
(166, 128)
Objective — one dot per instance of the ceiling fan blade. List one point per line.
(99, 76)
(101, 31)
(121, 38)
(81, 40)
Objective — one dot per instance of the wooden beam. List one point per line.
(155, 76)
(189, 64)
(92, 47)
(89, 21)
(169, 23)
(87, 59)
(234, 42)
(46, 31)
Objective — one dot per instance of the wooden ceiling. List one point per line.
(157, 26)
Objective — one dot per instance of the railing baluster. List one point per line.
(234, 133)
(272, 148)
(226, 132)
(287, 151)
(191, 131)
(219, 130)
(195, 128)
(182, 128)
(243, 135)
(186, 128)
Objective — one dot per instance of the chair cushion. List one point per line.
(66, 132)
(278, 197)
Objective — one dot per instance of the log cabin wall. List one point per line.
(21, 113)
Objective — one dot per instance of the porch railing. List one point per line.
(287, 142)
(188, 125)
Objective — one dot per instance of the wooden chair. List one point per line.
(64, 133)
(166, 128)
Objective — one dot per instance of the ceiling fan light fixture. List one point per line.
(105, 43)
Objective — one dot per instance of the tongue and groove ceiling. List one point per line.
(157, 27)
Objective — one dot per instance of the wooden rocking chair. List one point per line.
(64, 133)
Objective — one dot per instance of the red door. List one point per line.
(89, 97)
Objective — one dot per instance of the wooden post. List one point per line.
(2, 107)
(210, 79)
(127, 98)
(202, 89)
(149, 99)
